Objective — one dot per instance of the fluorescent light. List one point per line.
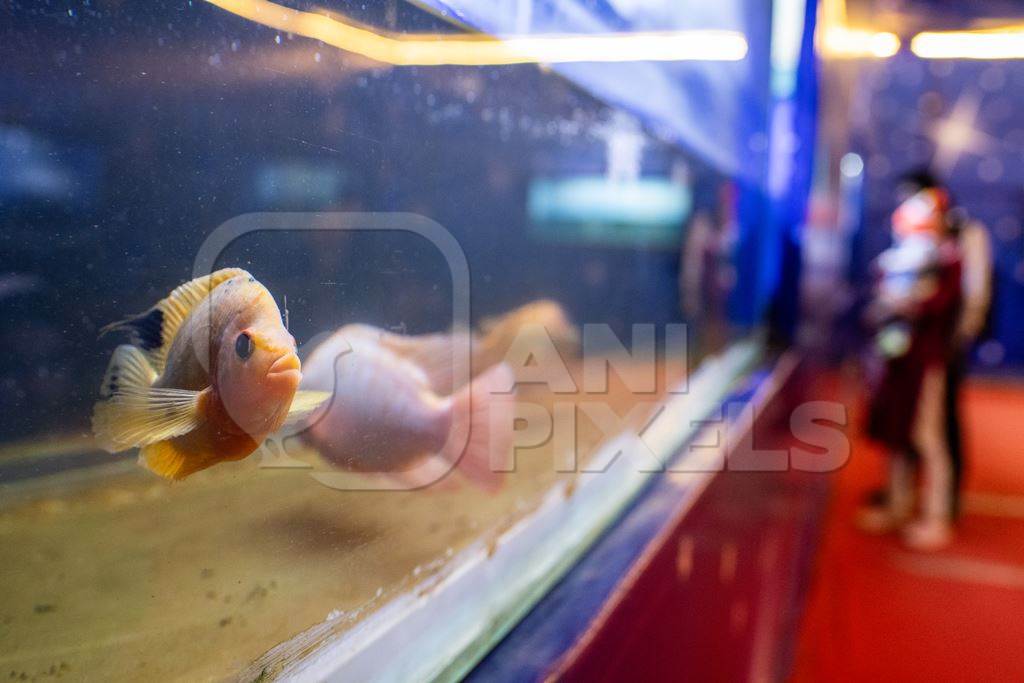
(988, 44)
(835, 38)
(839, 41)
(432, 50)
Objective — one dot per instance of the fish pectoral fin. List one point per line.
(132, 412)
(154, 330)
(304, 404)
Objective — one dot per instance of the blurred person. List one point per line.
(976, 284)
(916, 312)
(693, 270)
(707, 274)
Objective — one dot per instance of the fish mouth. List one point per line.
(286, 366)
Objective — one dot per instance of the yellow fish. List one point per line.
(211, 371)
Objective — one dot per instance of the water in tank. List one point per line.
(299, 304)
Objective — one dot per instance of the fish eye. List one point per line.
(244, 346)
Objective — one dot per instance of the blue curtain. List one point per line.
(716, 110)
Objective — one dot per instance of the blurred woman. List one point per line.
(976, 251)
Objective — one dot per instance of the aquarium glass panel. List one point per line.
(309, 306)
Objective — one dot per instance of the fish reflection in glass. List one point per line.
(388, 414)
(398, 409)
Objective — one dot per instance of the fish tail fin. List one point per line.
(537, 317)
(489, 408)
(168, 460)
(132, 412)
(565, 335)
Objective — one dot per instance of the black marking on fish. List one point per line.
(111, 389)
(146, 331)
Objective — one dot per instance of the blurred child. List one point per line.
(907, 273)
(915, 311)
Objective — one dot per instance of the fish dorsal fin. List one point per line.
(132, 412)
(154, 330)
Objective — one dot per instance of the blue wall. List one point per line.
(899, 103)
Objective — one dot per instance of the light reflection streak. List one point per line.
(460, 49)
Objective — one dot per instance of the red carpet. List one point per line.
(876, 611)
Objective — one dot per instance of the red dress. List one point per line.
(893, 403)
